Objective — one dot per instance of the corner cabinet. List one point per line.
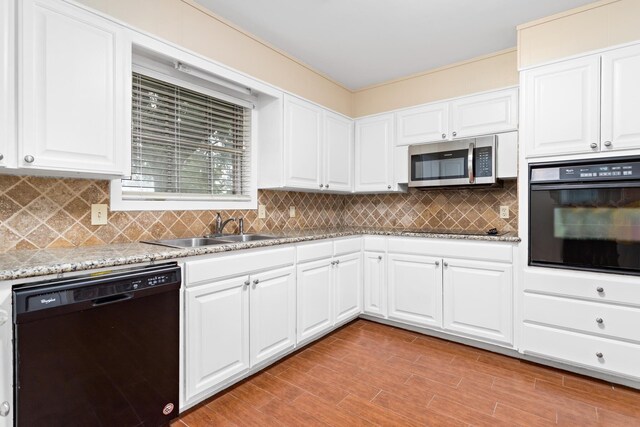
(374, 154)
(304, 147)
(375, 284)
(583, 105)
(73, 90)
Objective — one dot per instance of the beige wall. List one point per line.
(595, 26)
(186, 24)
(484, 73)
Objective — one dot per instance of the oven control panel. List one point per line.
(587, 172)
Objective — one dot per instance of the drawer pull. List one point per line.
(256, 281)
(599, 320)
(599, 355)
(600, 289)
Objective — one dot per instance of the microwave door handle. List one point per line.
(472, 177)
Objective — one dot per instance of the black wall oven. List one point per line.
(586, 215)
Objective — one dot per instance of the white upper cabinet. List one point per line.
(7, 84)
(302, 139)
(72, 89)
(423, 124)
(338, 153)
(562, 107)
(483, 114)
(317, 152)
(621, 99)
(374, 154)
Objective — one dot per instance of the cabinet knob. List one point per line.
(29, 159)
(607, 144)
(444, 136)
(337, 261)
(1, 156)
(599, 355)
(256, 281)
(446, 264)
(4, 408)
(326, 186)
(594, 145)
(600, 289)
(247, 283)
(437, 263)
(389, 187)
(455, 133)
(379, 257)
(599, 320)
(321, 185)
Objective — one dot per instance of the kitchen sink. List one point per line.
(245, 237)
(198, 242)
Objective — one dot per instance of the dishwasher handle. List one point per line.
(112, 299)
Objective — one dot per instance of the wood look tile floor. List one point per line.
(371, 374)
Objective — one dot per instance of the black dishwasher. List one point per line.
(98, 349)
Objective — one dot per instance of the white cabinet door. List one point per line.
(621, 99)
(375, 288)
(415, 289)
(423, 124)
(562, 107)
(478, 299)
(314, 309)
(217, 333)
(302, 139)
(7, 84)
(273, 314)
(348, 287)
(6, 355)
(374, 155)
(72, 91)
(338, 159)
(485, 114)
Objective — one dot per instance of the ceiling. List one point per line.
(358, 43)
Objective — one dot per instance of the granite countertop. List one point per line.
(32, 263)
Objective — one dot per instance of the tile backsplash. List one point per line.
(56, 212)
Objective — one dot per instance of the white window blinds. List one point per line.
(187, 145)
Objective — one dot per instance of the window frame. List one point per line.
(158, 71)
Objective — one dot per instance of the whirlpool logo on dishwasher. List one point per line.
(47, 301)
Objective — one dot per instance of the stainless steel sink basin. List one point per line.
(198, 242)
(245, 237)
(191, 242)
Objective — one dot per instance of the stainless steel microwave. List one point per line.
(463, 162)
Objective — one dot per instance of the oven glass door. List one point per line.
(593, 226)
(439, 166)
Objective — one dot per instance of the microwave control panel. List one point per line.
(484, 164)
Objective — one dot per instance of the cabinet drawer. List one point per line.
(375, 243)
(451, 249)
(615, 288)
(347, 246)
(617, 322)
(312, 251)
(578, 349)
(234, 263)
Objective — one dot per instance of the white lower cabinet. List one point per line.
(217, 333)
(375, 288)
(6, 358)
(478, 299)
(415, 289)
(329, 293)
(314, 298)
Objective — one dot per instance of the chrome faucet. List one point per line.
(221, 224)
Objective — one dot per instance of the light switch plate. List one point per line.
(98, 214)
(504, 212)
(262, 211)
(292, 211)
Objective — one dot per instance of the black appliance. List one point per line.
(585, 215)
(98, 349)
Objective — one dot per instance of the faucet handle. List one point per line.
(241, 225)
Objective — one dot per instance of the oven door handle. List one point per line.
(472, 177)
(584, 185)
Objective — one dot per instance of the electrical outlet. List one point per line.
(98, 214)
(504, 212)
(292, 211)
(262, 211)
